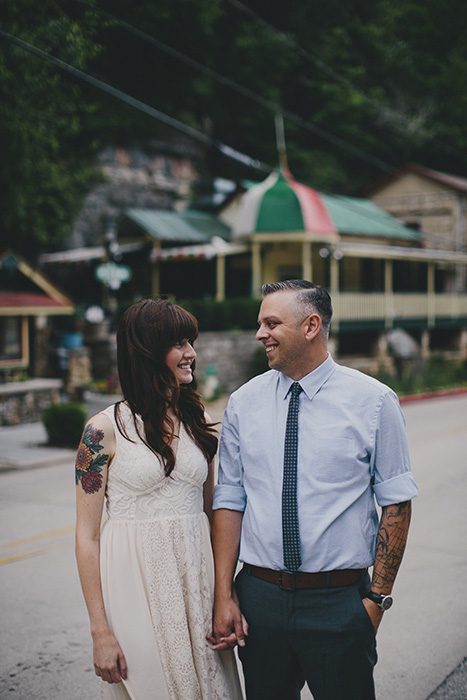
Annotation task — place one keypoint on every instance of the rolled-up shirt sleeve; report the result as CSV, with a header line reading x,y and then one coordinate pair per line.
x,y
392,478
229,492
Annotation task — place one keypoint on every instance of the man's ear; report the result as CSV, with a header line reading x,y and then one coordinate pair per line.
x,y
312,326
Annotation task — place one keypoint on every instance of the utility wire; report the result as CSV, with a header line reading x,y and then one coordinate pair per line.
x,y
246,92
157,114
396,119
142,106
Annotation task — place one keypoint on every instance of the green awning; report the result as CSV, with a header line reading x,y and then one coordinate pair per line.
x,y
364,218
166,226
207,223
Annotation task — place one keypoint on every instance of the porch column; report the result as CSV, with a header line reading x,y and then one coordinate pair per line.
x,y
334,290
307,264
334,275
256,270
220,278
425,345
390,311
431,300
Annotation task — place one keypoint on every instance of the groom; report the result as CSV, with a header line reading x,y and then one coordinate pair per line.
x,y
307,452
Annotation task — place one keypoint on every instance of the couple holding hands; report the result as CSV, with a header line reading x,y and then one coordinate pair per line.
x,y
307,452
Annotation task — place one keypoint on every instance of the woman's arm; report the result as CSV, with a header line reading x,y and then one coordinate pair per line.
x,y
95,452
208,491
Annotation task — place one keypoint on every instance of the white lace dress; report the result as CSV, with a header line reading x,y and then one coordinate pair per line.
x,y
157,575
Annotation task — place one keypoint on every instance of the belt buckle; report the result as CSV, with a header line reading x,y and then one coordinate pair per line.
x,y
284,587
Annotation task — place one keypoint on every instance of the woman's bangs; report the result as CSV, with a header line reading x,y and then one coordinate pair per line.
x,y
184,325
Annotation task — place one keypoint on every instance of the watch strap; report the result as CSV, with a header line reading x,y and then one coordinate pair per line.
x,y
382,601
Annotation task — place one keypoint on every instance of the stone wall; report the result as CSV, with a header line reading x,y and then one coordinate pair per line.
x,y
231,354
24,402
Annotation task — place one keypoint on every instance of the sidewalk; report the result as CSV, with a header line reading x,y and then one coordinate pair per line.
x,y
25,446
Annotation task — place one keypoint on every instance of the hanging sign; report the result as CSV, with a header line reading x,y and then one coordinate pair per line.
x,y
112,275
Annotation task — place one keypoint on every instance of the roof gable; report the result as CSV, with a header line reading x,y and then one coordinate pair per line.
x,y
447,181
24,288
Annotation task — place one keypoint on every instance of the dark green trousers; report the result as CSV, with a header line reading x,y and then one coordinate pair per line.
x,y
323,637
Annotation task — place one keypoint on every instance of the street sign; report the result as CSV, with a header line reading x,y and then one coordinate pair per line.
x,y
113,275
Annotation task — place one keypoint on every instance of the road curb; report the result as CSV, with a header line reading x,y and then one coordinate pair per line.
x,y
440,393
6,466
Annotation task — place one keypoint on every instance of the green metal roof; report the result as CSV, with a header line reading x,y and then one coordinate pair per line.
x,y
166,226
206,223
280,209
363,217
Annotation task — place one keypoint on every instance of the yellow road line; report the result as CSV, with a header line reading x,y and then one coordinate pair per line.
x,y
43,536
15,557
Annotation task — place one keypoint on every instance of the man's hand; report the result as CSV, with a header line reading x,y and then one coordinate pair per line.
x,y
229,626
374,612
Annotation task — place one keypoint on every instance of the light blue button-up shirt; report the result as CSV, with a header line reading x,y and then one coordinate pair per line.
x,y
352,454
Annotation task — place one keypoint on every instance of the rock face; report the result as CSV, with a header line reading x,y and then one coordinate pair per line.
x,y
158,175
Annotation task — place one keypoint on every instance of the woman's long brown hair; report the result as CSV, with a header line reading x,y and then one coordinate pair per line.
x,y
146,333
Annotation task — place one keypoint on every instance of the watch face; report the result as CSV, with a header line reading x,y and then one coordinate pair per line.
x,y
386,603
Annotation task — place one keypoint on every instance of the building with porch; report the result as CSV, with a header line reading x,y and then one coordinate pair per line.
x,y
380,271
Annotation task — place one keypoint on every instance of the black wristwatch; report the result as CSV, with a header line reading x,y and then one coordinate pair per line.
x,y
383,602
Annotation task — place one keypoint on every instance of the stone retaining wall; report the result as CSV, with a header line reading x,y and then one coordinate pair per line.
x,y
231,354
24,402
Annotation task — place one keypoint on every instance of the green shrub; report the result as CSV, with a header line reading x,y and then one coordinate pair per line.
x,y
64,423
229,314
438,373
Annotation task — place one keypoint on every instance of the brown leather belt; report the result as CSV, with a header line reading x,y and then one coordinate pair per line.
x,y
289,581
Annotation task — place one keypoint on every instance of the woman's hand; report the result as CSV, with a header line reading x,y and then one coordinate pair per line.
x,y
109,660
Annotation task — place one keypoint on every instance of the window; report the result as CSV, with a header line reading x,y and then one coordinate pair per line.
x,y
10,338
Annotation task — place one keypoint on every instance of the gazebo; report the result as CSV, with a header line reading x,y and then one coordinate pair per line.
x,y
295,231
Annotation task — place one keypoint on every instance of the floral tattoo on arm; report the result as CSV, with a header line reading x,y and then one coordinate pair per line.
x,y
89,462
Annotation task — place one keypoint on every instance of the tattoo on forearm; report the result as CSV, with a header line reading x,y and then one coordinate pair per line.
x,y
88,462
390,544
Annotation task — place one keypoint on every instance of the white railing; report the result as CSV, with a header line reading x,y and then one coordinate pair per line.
x,y
359,306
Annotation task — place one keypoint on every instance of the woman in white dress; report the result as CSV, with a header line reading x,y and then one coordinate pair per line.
x,y
147,574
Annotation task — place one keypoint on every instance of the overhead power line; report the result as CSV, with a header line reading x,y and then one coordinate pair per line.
x,y
142,106
387,114
271,106
228,151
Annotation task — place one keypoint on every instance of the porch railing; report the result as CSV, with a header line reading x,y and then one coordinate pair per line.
x,y
374,306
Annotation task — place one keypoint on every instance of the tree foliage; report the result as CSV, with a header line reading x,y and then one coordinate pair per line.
x,y
365,85
45,164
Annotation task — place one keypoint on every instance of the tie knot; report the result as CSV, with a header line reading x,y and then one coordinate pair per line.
x,y
296,389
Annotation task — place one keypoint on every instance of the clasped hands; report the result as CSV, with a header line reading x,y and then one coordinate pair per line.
x,y
229,626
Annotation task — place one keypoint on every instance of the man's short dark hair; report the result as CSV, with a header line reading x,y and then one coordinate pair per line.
x,y
308,294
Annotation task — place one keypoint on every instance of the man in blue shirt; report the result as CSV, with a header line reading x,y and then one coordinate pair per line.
x,y
314,620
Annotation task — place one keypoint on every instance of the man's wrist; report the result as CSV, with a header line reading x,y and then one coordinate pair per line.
x,y
383,601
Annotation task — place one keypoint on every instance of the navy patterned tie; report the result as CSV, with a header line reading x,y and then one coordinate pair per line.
x,y
290,533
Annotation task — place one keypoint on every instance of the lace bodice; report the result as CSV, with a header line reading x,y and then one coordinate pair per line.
x,y
137,487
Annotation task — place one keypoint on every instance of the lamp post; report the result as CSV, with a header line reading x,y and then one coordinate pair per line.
x,y
111,274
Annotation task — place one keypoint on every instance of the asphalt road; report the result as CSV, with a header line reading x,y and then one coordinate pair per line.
x,y
46,651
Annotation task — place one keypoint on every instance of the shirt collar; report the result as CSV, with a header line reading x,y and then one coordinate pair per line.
x,y
310,383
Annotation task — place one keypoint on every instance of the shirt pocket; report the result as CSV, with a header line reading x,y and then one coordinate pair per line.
x,y
334,459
